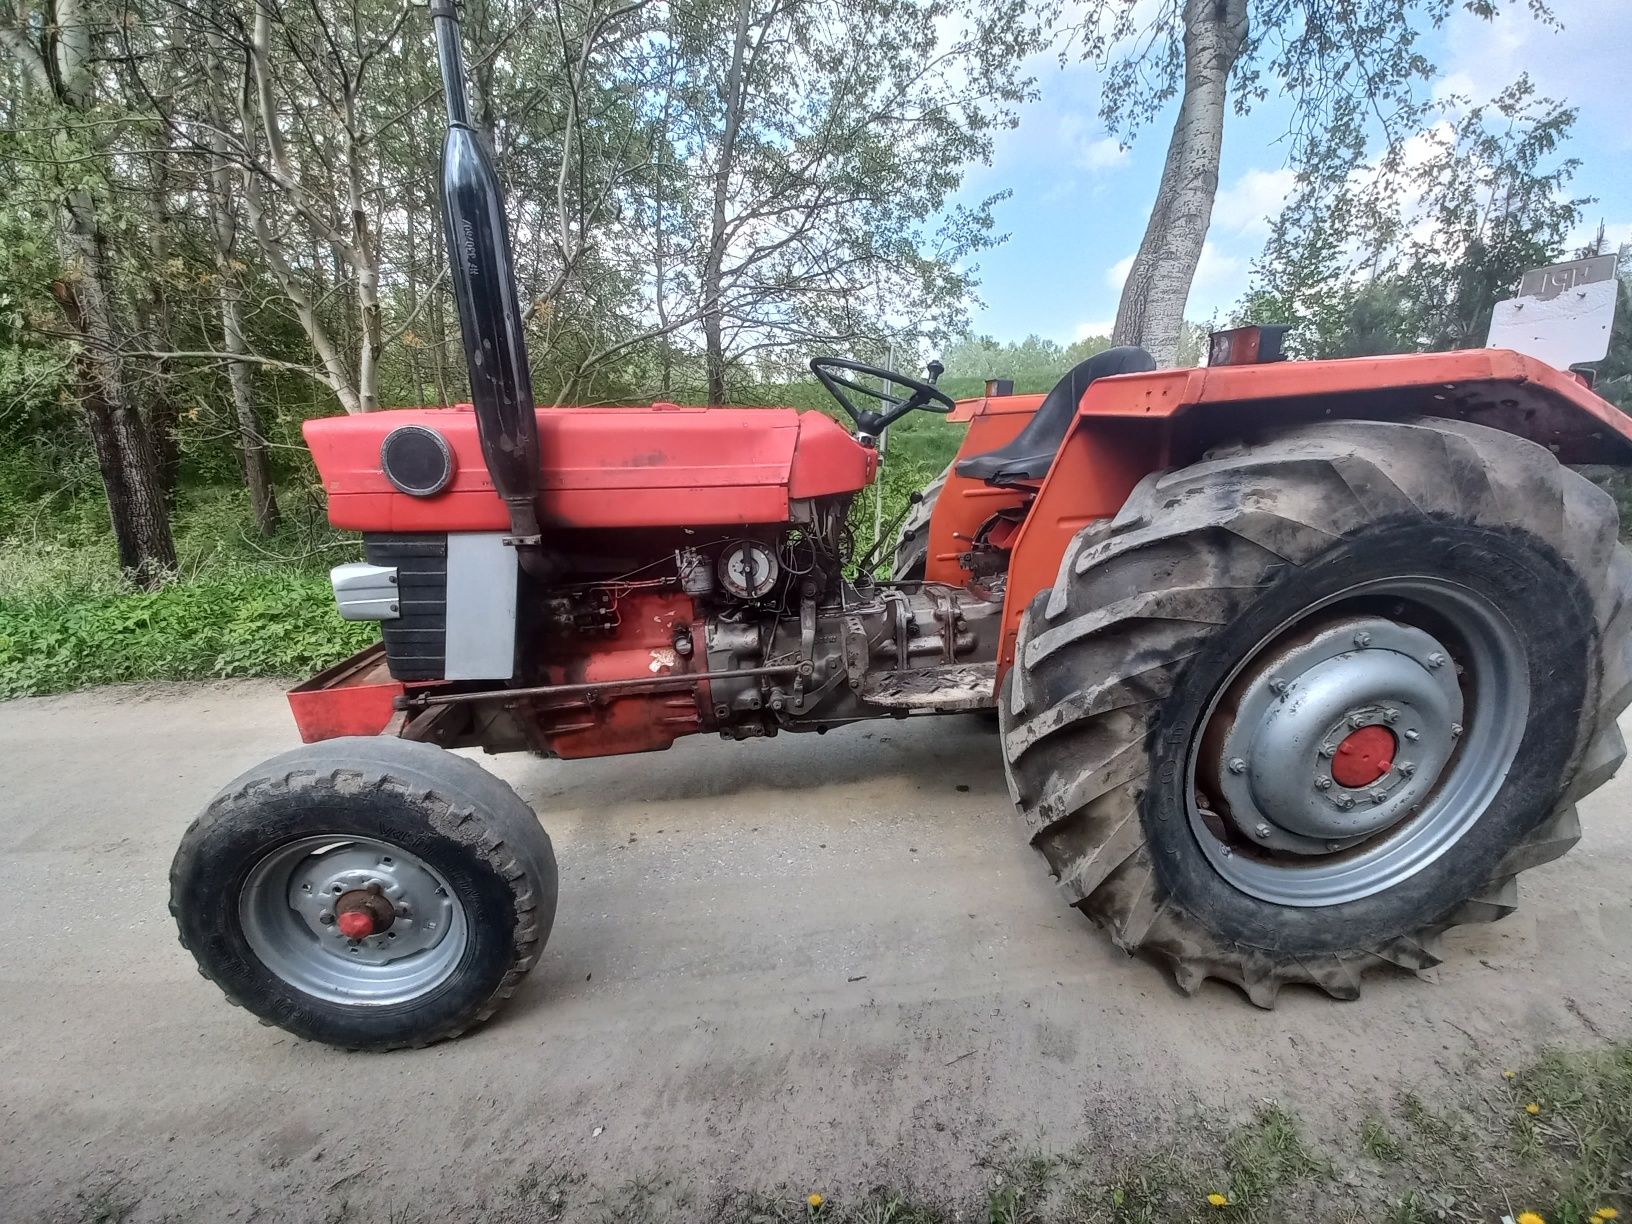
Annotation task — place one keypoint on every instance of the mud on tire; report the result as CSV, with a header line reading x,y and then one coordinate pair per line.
x,y
1155,613
450,833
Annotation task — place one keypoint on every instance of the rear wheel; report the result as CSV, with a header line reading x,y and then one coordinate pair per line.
x,y
1305,705
368,893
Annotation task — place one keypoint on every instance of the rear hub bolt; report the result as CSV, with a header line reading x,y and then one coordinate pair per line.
x,y
1436,660
1237,765
1362,639
1262,830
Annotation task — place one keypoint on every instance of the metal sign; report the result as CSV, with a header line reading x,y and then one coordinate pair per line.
x,y
1548,283
1563,313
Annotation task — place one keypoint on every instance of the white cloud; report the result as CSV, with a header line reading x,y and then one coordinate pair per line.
x,y
1117,273
1220,281
1583,61
1615,233
1101,154
1094,327
1246,206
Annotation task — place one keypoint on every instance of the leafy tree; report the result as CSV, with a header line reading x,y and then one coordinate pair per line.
x,y
1414,252
1352,72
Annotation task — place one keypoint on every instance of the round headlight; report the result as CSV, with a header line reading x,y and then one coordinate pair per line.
x,y
416,460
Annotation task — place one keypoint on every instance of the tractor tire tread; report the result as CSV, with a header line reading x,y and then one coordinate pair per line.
x,y
507,836
1137,596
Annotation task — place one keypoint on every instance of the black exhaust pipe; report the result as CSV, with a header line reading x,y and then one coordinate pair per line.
x,y
484,286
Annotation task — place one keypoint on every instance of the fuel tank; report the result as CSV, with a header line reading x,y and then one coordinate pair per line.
x,y
658,466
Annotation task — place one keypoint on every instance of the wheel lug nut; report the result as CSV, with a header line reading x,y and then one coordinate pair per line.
x,y
1413,734
1322,783
1262,830
1436,659
1334,845
1357,721
1456,730
1237,765
1345,802
1407,769
1328,749
1362,639
1391,716
1378,797
1278,685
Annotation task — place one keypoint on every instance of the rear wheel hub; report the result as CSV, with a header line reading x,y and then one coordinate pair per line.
x,y
1335,761
1364,756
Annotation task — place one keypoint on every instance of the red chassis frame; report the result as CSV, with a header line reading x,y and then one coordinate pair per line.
x,y
1127,427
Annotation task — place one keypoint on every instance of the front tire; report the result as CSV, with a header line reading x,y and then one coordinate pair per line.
x,y
1177,723
368,893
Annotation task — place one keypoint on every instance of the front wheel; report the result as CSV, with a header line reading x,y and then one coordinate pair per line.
x,y
1303,706
367,893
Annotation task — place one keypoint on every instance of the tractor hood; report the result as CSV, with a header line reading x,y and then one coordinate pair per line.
x,y
662,466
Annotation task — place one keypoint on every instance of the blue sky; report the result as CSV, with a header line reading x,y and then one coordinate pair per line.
x,y
1080,203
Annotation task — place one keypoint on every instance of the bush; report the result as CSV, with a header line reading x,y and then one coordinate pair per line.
x,y
235,623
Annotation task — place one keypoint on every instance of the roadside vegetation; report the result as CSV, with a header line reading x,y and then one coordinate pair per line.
x,y
1550,1143
239,603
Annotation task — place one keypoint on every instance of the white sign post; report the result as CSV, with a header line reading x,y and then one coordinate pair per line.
x,y
1562,314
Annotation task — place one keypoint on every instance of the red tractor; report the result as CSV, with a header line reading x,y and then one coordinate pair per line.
x,y
1296,665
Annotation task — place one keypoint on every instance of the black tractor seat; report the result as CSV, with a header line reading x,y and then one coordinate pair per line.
x,y
1031,452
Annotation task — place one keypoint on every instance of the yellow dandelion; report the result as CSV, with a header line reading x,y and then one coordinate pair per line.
x,y
1530,1217
1510,1075
815,1201
1532,1109
1218,1200
1606,1213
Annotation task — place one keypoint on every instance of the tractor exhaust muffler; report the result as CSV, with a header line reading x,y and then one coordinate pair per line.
x,y
484,287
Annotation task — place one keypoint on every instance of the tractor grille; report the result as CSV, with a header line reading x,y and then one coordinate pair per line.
x,y
416,640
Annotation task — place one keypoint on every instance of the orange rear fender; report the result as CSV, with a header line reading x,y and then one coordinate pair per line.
x,y
1133,424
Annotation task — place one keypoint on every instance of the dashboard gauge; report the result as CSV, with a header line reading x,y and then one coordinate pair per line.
x,y
748,569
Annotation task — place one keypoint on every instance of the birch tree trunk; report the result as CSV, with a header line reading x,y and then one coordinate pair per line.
x,y
713,270
59,66
1151,311
131,479
263,499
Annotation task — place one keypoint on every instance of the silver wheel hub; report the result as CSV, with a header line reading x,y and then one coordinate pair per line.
x,y
1346,753
294,909
1296,722
420,908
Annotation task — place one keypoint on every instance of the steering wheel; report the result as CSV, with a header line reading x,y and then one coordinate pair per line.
x,y
871,423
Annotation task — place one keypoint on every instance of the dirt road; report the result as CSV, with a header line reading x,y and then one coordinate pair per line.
x,y
826,962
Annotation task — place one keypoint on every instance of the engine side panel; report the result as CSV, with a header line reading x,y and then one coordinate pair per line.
x,y
661,466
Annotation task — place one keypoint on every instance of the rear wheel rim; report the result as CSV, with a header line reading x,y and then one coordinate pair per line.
x,y
288,910
1433,664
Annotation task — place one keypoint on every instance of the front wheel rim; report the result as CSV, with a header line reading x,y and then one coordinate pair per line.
x,y
1280,800
291,905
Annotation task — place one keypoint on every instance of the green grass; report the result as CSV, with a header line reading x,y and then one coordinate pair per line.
x,y
1565,1162
234,607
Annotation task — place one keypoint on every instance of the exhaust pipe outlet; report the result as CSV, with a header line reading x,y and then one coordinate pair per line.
x,y
484,289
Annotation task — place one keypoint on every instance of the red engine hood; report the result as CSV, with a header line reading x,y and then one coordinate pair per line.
x,y
601,467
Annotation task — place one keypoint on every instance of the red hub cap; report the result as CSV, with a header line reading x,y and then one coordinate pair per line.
x,y
1364,756
359,924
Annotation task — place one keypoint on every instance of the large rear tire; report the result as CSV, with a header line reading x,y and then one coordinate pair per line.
x,y
369,893
1308,703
